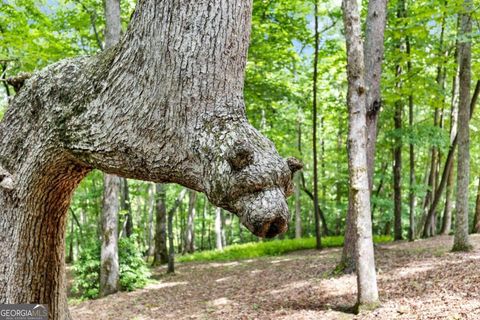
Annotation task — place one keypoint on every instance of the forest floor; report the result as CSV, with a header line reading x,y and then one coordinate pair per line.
x,y
419,280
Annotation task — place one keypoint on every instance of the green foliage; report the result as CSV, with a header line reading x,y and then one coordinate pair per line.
x,y
134,273
268,248
133,269
87,272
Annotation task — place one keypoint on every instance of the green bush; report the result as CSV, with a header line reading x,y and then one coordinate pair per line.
x,y
87,272
268,248
133,269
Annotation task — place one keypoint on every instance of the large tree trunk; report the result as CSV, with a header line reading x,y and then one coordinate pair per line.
x,y
109,267
357,158
190,229
373,59
164,105
461,239
161,254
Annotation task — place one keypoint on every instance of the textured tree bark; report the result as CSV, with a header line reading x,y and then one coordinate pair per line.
x,y
109,267
190,230
373,58
461,239
164,105
357,159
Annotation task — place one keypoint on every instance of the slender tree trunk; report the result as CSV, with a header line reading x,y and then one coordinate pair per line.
x,y
204,217
316,210
109,265
412,200
461,239
171,247
190,232
70,245
476,217
109,268
218,229
161,254
298,207
373,59
357,159
150,226
447,215
127,208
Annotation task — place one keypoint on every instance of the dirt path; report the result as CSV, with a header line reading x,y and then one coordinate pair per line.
x,y
420,280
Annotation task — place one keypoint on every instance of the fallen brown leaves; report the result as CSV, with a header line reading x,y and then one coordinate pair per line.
x,y
420,280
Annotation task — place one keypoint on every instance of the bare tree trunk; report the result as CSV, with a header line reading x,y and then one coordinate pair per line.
x,y
127,230
373,59
316,208
298,208
150,227
142,111
357,159
109,266
161,253
476,217
412,200
190,230
447,215
298,183
218,229
461,239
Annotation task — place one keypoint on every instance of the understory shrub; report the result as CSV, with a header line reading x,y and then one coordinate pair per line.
x,y
134,272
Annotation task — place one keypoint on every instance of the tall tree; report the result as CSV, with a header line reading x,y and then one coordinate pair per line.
x,y
218,229
120,113
397,149
359,193
373,55
109,267
161,253
150,227
461,239
316,207
190,229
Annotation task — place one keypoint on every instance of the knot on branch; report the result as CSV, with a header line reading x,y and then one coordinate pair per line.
x,y
374,108
6,180
18,81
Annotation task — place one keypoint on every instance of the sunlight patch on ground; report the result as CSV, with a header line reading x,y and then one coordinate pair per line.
x,y
162,285
280,260
256,271
226,264
224,279
220,302
334,287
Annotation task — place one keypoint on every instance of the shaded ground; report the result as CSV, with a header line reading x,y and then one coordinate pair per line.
x,y
420,280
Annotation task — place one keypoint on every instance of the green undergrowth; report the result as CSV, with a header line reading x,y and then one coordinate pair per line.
x,y
267,248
